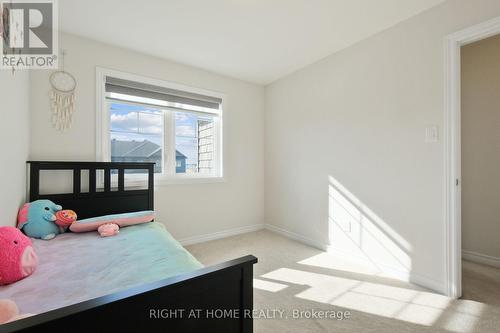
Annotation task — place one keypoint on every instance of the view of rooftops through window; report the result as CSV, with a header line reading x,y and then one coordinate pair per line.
x,y
138,134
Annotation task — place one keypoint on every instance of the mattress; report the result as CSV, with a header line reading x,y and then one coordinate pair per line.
x,y
75,267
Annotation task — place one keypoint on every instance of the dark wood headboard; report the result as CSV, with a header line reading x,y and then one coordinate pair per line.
x,y
96,202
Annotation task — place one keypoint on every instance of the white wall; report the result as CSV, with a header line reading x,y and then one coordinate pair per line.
x,y
187,210
359,117
14,142
481,147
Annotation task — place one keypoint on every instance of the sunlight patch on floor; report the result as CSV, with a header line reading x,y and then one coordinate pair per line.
x,y
338,262
268,286
414,306
463,316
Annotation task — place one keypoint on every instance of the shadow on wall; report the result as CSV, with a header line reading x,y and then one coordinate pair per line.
x,y
355,230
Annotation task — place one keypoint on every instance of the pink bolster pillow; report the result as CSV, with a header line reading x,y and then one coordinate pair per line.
x,y
122,220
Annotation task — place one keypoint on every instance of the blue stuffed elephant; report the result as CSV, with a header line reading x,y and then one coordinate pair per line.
x,y
37,219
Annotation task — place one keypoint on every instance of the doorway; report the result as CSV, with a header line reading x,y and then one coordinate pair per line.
x,y
453,148
480,162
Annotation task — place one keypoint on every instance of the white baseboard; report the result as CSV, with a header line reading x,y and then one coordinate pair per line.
x,y
397,273
220,234
390,272
481,258
297,237
387,271
429,283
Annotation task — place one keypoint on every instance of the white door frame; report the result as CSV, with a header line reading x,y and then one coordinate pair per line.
x,y
452,148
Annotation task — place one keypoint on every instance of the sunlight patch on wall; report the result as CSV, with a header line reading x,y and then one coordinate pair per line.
x,y
355,229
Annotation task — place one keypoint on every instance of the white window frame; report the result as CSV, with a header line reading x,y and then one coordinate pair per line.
x,y
168,175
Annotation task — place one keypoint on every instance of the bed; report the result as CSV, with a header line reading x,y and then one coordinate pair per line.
x,y
141,279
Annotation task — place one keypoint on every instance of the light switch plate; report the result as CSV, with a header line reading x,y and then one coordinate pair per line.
x,y
431,134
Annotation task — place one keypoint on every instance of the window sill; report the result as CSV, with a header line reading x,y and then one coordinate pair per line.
x,y
140,182
188,180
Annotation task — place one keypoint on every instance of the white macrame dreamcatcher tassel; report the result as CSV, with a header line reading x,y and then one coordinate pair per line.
x,y
63,107
62,98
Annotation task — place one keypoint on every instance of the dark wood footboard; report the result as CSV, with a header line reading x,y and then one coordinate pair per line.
x,y
218,299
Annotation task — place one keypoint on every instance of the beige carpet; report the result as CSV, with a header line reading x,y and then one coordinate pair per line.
x,y
291,276
481,283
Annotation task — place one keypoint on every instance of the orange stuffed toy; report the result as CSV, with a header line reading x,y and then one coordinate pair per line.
x,y
9,312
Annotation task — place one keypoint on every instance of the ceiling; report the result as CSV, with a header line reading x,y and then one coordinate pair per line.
x,y
253,40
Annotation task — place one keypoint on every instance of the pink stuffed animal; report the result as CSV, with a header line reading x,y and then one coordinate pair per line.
x,y
17,256
108,229
9,311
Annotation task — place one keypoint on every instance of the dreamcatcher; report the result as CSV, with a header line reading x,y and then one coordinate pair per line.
x,y
63,97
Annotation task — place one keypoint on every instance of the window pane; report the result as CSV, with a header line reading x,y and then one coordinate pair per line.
x,y
136,135
194,143
151,123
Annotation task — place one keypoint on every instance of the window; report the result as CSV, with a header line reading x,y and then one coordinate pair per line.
x,y
136,134
180,131
194,143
